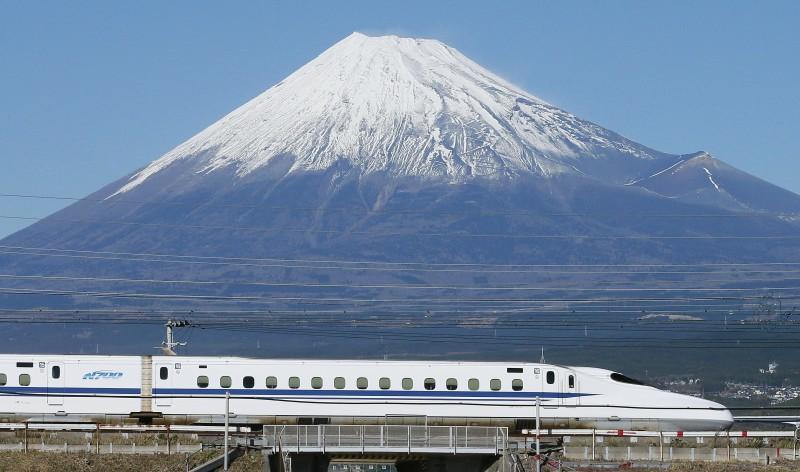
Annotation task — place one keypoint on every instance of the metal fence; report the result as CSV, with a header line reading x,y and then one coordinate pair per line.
x,y
104,448
652,453
387,438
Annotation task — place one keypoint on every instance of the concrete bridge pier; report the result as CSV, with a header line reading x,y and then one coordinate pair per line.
x,y
310,462
432,463
449,463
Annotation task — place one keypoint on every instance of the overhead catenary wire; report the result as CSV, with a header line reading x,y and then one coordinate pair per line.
x,y
394,286
581,314
414,266
455,233
128,201
263,299
406,320
566,341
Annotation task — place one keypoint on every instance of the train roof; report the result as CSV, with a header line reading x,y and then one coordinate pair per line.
x,y
196,358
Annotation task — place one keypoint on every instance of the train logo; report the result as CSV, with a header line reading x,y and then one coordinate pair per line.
x,y
102,374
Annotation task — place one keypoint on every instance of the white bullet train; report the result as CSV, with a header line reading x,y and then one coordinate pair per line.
x,y
186,390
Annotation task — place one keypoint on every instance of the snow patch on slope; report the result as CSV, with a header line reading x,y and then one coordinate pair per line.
x,y
711,178
673,166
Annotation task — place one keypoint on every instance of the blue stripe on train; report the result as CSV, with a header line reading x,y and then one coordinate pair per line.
x,y
366,393
72,390
529,396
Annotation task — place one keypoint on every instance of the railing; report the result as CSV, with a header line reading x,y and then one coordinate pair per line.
x,y
387,438
660,447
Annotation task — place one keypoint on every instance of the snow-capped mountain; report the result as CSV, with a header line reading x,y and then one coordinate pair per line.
x,y
385,133
405,137
402,150
407,107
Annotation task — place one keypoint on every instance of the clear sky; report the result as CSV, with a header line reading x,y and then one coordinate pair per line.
x,y
91,91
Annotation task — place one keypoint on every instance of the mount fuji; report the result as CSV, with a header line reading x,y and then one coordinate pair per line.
x,y
402,137
390,149
404,107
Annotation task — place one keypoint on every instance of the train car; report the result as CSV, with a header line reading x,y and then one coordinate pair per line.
x,y
192,390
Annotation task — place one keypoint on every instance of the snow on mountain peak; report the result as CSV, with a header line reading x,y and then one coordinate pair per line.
x,y
402,106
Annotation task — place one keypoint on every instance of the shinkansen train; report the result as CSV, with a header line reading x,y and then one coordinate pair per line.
x,y
192,390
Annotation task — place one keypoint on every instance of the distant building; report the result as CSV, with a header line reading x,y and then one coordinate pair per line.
x,y
771,368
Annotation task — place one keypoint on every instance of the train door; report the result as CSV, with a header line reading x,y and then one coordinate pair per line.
x,y
163,381
550,389
569,389
55,383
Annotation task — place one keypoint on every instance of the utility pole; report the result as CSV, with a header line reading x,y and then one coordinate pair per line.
x,y
227,424
169,344
538,433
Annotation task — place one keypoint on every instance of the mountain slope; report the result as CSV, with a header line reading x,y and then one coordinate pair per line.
x,y
702,179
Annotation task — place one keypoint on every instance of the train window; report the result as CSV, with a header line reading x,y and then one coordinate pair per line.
x,y
294,382
551,377
362,383
625,379
474,384
516,385
408,383
3,379
571,381
55,372
495,385
316,382
225,381
429,384
163,373
272,382
451,384
339,383
248,382
202,381
384,383
24,380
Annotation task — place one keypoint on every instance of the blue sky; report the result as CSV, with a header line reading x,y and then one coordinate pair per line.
x,y
91,91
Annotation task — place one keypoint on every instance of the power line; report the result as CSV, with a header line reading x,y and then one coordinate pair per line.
x,y
485,339
244,298
389,265
459,234
492,310
454,318
398,286
408,269
750,214
526,341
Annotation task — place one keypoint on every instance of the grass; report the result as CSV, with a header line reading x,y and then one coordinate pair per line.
x,y
79,462
76,462
85,462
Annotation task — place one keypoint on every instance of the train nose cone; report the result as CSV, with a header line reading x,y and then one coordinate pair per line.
x,y
696,414
705,415
722,415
